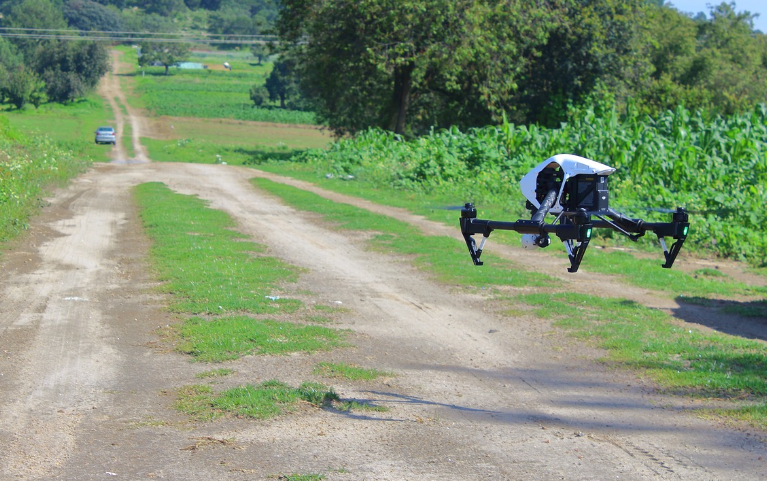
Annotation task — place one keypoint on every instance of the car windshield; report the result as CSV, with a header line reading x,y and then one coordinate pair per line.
x,y
106,129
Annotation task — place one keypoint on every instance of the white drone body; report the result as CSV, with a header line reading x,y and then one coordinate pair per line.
x,y
571,166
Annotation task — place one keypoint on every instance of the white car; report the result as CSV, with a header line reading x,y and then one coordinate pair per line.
x,y
106,135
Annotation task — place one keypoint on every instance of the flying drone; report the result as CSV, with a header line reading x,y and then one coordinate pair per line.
x,y
574,189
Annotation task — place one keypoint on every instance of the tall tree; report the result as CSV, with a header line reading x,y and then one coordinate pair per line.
x,y
590,43
393,63
71,69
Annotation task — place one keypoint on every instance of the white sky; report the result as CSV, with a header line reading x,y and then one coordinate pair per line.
x,y
753,6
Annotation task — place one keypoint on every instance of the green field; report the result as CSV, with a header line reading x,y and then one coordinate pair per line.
x,y
71,126
210,93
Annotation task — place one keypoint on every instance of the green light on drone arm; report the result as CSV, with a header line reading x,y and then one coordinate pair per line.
x,y
686,229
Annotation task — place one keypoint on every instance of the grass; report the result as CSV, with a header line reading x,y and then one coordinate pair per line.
x,y
211,93
444,257
347,371
240,135
264,401
228,338
70,126
649,274
213,373
301,477
192,150
683,361
29,166
207,266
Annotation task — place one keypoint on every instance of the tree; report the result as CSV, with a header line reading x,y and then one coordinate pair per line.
x,y
164,53
259,50
33,14
282,84
406,65
88,15
165,8
717,64
21,84
589,44
71,69
259,95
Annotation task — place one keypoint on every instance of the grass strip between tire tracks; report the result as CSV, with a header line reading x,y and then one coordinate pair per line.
x,y
209,269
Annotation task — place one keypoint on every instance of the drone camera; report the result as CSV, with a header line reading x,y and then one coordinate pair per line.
x,y
587,192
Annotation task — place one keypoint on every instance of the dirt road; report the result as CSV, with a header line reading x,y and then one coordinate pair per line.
x,y
86,388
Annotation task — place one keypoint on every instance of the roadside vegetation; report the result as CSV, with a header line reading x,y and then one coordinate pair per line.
x,y
683,361
29,166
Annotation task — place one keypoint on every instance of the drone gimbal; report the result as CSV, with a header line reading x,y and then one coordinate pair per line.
x,y
574,189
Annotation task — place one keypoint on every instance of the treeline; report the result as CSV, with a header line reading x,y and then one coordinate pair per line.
x,y
36,70
410,65
235,17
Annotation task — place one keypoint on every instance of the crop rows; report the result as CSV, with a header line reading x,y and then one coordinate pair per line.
x,y
200,95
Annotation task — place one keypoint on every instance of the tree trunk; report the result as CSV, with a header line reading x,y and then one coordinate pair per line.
x,y
403,78
282,100
166,70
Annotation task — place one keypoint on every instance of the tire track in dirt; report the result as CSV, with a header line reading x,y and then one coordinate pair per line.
x,y
55,315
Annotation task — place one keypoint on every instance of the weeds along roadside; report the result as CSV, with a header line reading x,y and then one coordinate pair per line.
x,y
682,361
29,166
226,286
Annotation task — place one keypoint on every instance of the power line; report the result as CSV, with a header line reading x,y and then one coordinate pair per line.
x,y
35,33
110,32
198,40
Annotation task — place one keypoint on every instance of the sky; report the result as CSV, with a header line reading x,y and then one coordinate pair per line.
x,y
753,6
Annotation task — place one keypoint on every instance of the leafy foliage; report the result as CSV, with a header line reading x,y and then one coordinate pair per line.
x,y
71,69
282,85
89,15
718,64
22,85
